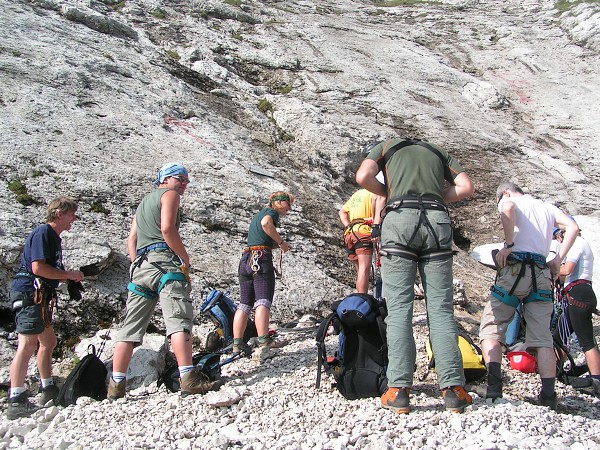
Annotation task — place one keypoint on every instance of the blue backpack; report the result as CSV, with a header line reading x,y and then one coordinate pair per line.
x,y
360,362
221,310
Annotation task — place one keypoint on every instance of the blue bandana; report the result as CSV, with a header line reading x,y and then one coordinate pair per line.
x,y
169,170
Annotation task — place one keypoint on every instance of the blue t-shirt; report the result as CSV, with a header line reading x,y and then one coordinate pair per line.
x,y
42,243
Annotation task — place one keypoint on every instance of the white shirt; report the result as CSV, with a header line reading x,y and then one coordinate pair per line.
x,y
534,224
581,254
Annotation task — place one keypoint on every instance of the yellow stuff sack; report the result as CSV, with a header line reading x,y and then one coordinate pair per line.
x,y
471,355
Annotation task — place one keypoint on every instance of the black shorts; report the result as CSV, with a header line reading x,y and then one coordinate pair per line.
x,y
28,319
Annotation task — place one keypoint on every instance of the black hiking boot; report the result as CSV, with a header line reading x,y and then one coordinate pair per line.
x,y
396,399
551,402
20,406
456,399
486,391
49,393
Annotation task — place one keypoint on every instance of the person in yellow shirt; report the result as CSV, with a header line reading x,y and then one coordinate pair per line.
x,y
362,225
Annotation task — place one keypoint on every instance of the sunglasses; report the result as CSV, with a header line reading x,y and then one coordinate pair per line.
x,y
500,197
183,180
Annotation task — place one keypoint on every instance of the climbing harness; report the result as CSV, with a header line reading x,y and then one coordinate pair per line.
x,y
167,276
43,292
361,241
422,203
524,259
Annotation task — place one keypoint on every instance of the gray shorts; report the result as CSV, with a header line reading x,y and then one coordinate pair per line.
x,y
28,319
497,315
174,298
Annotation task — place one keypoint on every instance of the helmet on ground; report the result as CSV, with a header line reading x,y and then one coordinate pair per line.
x,y
522,361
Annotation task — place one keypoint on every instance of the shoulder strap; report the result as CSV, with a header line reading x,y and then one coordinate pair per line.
x,y
400,145
321,350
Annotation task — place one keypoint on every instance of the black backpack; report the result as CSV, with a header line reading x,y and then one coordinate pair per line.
x,y
221,310
360,363
87,379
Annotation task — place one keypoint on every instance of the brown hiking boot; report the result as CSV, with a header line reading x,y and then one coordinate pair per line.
x,y
197,382
272,343
456,399
116,390
396,399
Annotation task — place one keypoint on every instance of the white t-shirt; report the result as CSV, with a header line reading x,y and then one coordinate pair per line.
x,y
534,224
581,254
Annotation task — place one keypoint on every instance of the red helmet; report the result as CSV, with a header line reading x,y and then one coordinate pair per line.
x,y
522,361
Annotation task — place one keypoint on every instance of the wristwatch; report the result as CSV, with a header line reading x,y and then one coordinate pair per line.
x,y
508,245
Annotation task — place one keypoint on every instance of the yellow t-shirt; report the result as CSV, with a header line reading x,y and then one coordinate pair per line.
x,y
360,206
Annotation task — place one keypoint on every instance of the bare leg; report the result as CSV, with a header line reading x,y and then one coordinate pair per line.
x,y
492,350
546,361
48,343
182,347
122,356
362,273
592,357
25,350
261,319
240,320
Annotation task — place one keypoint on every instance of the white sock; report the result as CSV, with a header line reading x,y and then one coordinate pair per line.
x,y
47,382
184,369
118,376
14,391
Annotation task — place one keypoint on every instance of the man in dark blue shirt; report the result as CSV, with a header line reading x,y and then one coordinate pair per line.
x,y
32,293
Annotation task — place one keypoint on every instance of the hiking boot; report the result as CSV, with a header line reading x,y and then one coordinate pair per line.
x,y
486,391
241,348
49,393
197,382
456,399
19,406
396,399
551,402
272,343
116,390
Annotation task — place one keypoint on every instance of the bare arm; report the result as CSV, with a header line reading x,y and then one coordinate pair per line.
x,y
461,189
508,218
132,241
344,217
366,177
41,269
378,205
269,228
168,218
563,222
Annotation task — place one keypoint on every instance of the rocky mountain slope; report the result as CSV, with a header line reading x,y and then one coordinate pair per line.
x,y
257,96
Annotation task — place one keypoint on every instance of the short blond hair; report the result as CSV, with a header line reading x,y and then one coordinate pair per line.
x,y
60,204
281,196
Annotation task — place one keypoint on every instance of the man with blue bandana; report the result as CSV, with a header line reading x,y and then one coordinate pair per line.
x,y
158,272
